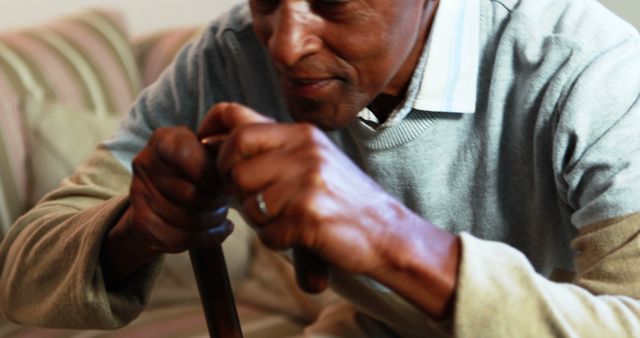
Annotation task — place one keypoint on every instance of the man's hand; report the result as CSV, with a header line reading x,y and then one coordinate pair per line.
x,y
316,197
176,200
299,189
176,204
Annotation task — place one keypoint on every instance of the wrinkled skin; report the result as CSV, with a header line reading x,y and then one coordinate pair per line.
x,y
335,57
319,199
177,203
173,193
316,196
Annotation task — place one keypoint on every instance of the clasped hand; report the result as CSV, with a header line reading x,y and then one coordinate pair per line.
x,y
316,197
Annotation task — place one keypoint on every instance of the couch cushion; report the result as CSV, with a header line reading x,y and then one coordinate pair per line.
x,y
60,139
156,51
84,61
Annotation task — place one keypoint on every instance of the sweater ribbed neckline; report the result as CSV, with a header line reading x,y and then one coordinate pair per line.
x,y
411,127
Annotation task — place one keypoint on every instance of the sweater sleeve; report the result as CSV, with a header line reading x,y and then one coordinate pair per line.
x,y
500,292
50,272
596,161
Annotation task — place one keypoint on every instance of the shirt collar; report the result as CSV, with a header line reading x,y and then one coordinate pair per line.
x,y
446,77
450,79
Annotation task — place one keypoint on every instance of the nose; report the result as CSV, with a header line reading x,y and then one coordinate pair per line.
x,y
293,33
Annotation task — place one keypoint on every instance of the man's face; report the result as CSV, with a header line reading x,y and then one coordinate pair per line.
x,y
335,56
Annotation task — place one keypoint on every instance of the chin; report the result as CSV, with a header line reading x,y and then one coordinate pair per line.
x,y
326,116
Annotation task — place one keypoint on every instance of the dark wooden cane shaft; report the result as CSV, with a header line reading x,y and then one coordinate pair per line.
x,y
216,294
312,273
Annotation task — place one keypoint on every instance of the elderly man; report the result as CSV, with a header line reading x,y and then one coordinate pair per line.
x,y
466,168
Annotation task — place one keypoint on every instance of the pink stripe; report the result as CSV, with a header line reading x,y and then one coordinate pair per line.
x,y
162,53
108,68
56,73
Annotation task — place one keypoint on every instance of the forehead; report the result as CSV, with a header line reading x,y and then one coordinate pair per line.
x,y
382,11
348,4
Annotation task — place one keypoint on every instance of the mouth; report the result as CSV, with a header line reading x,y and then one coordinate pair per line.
x,y
310,87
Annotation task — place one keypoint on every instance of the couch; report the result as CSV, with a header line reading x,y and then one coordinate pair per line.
x,y
63,87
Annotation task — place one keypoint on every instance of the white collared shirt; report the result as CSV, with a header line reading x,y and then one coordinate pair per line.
x,y
446,77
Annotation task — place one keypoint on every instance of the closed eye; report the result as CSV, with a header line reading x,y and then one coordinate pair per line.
x,y
264,6
331,7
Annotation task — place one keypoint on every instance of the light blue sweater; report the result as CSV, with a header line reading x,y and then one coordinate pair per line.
x,y
552,146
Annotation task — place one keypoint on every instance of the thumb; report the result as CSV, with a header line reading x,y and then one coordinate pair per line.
x,y
224,117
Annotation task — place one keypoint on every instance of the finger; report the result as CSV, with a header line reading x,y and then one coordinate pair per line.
x,y
251,140
267,168
154,232
257,214
213,236
177,215
277,198
161,237
187,194
301,220
279,234
179,148
175,186
224,117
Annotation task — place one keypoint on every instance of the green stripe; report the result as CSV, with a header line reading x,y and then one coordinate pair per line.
x,y
10,191
88,76
97,70
121,58
11,75
15,76
37,75
69,67
121,42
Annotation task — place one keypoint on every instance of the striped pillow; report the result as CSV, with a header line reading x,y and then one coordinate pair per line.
x,y
85,62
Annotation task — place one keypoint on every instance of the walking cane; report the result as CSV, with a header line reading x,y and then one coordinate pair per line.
x,y
212,278
216,295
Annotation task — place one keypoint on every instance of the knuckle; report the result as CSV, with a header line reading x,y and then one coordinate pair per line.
x,y
140,162
234,106
234,140
187,193
309,132
159,134
315,160
240,133
315,180
308,209
242,136
170,142
239,176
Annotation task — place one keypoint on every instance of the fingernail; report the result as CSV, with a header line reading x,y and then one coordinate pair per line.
x,y
214,140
